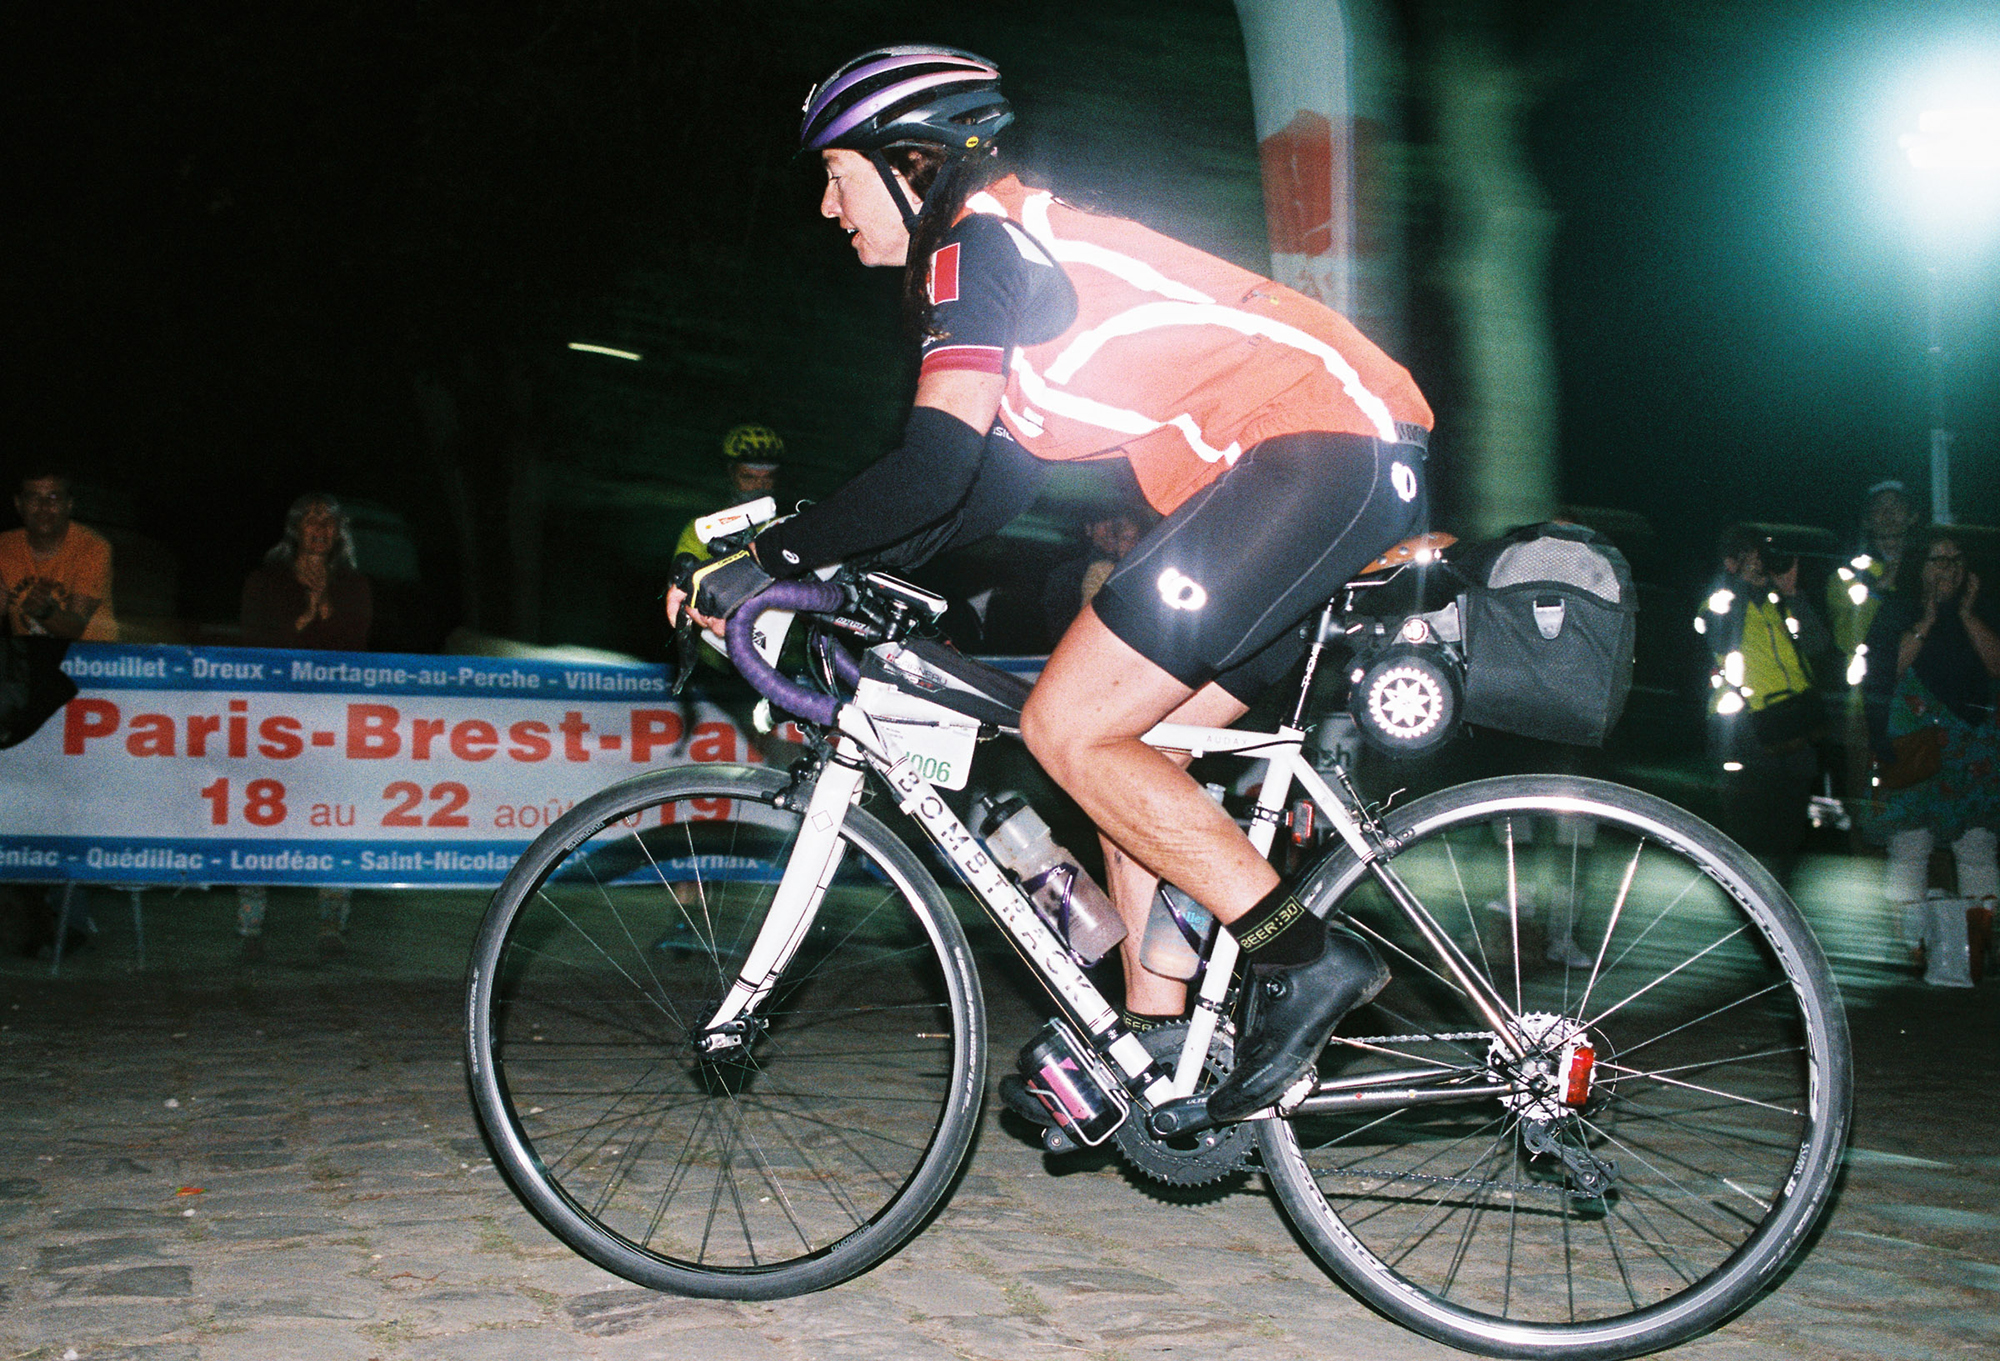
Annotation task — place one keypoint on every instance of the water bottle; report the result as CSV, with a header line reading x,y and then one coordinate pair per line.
x,y
1178,931
1073,1084
1067,897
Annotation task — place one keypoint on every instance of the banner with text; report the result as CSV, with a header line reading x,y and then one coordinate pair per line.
x,y
247,765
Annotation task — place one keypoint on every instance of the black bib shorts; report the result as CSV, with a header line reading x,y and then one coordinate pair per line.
x,y
1214,591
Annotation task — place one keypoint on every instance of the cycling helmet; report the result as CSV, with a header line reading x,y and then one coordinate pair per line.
x,y
907,94
754,446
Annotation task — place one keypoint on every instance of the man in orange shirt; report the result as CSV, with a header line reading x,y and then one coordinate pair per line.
x,y
56,574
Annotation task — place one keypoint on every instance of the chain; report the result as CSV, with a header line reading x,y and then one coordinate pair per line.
x,y
1414,1039
1432,1179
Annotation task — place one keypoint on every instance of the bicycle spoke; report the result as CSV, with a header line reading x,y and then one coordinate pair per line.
x,y
1708,1015
1692,1101
778,1146
1612,1010
1611,926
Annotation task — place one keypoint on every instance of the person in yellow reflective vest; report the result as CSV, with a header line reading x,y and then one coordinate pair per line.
x,y
1855,590
1765,713
1854,595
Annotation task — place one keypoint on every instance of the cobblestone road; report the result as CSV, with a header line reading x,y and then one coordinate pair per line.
x,y
207,1163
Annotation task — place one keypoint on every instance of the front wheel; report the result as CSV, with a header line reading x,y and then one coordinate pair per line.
x,y
1674,1129
788,1162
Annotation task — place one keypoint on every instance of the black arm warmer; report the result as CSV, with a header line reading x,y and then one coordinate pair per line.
x,y
923,481
1010,478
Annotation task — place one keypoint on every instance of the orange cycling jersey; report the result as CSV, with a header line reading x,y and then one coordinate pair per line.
x,y
1173,359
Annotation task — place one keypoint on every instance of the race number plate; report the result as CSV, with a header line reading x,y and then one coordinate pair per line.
x,y
939,742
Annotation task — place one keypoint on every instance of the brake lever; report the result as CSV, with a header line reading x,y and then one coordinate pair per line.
x,y
687,645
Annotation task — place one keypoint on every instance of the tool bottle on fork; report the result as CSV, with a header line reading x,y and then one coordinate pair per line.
x,y
1068,899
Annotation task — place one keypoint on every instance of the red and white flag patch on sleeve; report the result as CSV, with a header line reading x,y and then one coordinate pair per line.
x,y
944,274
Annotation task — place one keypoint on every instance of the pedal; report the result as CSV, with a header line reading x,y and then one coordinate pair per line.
x,y
1055,1141
1185,1115
1296,1094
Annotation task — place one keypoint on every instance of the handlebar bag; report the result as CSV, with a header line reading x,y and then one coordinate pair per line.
x,y
933,671
1550,615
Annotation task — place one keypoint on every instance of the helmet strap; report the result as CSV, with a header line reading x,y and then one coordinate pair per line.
x,y
896,191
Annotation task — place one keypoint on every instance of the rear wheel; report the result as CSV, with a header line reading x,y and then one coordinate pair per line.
x,y
793,1161
1675,1129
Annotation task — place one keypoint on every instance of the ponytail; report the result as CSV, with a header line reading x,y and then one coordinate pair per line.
x,y
943,182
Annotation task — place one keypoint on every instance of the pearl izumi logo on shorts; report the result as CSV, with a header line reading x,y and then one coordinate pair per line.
x,y
1404,480
1180,591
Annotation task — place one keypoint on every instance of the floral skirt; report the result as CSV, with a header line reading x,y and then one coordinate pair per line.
x,y
1965,793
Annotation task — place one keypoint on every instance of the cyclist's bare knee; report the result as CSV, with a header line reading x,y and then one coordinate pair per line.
x,y
1052,737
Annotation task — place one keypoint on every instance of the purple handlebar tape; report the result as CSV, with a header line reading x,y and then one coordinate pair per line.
x,y
811,596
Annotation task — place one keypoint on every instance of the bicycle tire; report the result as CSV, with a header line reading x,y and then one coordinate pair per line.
x,y
1720,1090
794,1165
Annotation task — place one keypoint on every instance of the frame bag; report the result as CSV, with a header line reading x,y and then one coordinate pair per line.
x,y
1550,616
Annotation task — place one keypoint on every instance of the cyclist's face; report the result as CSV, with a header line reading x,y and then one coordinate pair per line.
x,y
856,197
752,480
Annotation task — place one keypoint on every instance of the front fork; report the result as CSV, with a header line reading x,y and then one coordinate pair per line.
x,y
808,870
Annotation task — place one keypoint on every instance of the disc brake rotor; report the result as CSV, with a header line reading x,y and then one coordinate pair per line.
x,y
1196,1159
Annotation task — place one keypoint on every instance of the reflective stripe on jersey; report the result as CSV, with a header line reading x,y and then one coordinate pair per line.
x,y
1105,417
1176,359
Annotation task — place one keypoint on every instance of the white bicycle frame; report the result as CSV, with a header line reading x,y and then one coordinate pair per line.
x,y
816,854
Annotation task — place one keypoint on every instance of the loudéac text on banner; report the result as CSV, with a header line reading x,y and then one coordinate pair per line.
x,y
253,765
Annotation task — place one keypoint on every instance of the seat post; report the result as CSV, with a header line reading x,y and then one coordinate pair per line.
x,y
1321,630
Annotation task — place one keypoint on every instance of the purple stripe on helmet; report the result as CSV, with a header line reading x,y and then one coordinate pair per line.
x,y
894,63
875,103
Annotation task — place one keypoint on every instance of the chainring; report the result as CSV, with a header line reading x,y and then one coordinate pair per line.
x,y
1195,1159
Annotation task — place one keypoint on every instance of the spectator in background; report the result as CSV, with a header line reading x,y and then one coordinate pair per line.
x,y
1933,661
1855,591
1764,716
55,581
1109,531
753,455
1854,595
56,573
307,593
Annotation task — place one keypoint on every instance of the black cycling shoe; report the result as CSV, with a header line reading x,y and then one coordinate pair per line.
x,y
1024,1103
1293,1009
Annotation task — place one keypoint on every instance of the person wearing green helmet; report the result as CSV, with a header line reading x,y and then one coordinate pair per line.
x,y
753,455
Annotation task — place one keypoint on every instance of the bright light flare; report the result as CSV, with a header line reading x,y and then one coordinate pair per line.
x,y
1964,141
586,348
1948,149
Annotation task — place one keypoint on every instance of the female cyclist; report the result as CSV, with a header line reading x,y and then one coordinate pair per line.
x,y
1283,449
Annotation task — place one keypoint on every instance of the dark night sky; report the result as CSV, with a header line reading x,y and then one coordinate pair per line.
x,y
1738,306
236,232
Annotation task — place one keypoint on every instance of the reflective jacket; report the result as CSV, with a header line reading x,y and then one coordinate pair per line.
x,y
1179,361
1854,593
1759,642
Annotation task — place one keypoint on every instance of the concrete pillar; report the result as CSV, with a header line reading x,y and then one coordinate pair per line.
x,y
1321,84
